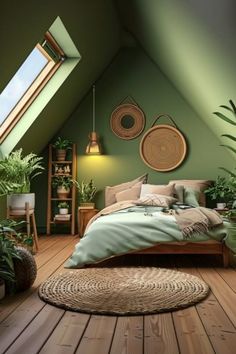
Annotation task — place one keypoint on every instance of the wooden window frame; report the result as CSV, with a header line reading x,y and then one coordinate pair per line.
x,y
36,87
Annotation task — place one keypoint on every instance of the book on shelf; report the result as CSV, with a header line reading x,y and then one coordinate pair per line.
x,y
62,217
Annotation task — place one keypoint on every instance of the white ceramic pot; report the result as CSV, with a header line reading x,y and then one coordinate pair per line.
x,y
2,289
63,211
19,200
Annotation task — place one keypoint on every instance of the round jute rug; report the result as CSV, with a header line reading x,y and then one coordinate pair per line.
x,y
123,291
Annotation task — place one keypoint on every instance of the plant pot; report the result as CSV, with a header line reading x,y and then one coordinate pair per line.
x,y
88,205
63,211
221,206
63,192
60,154
2,289
17,202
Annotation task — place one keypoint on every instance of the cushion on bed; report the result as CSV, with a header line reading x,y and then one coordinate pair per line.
x,y
197,184
191,196
132,193
167,190
157,200
110,191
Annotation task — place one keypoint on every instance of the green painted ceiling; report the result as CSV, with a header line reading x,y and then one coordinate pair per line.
x,y
191,41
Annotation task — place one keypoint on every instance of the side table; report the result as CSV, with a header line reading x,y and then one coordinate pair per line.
x,y
84,215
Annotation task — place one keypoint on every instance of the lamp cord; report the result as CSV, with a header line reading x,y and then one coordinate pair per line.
x,y
93,108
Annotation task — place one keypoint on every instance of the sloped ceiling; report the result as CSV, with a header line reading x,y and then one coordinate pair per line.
x,y
191,41
94,29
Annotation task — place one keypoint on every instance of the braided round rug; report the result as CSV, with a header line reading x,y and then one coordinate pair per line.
x,y
123,291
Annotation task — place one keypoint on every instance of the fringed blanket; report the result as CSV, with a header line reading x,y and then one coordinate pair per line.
x,y
196,220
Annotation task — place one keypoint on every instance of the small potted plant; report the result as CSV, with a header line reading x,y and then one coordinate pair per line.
x,y
63,208
223,191
61,146
16,173
86,193
63,185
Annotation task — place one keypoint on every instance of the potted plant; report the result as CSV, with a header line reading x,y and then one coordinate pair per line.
x,y
63,208
86,193
223,191
8,253
19,170
61,146
63,185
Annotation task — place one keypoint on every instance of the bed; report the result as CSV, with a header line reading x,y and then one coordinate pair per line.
x,y
133,222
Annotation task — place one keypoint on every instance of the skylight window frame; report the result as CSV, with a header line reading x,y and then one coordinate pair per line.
x,y
35,88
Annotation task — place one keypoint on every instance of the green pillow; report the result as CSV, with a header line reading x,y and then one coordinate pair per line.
x,y
191,196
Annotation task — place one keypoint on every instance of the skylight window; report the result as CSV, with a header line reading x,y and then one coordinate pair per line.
x,y
28,81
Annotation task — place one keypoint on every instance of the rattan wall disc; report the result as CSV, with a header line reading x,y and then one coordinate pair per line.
x,y
163,148
127,121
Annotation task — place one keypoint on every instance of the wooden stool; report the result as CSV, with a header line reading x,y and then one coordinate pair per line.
x,y
28,213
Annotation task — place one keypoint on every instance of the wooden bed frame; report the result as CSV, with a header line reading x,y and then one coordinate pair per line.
x,y
205,247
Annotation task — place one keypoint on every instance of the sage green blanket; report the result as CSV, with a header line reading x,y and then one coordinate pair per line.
x,y
131,229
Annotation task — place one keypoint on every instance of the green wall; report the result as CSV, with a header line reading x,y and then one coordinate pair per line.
x,y
133,74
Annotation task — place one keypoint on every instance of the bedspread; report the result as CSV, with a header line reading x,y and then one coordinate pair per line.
x,y
130,229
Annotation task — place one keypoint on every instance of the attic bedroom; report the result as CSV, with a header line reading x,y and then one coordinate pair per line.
x,y
129,242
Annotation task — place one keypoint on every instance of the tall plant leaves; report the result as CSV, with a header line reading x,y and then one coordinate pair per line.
x,y
229,147
226,119
232,105
229,136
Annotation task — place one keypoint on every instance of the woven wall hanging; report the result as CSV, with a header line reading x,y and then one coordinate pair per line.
x,y
163,147
127,121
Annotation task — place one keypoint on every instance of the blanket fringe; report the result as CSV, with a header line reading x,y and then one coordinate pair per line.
x,y
198,228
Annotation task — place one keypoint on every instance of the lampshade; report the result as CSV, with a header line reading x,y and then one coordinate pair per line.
x,y
93,147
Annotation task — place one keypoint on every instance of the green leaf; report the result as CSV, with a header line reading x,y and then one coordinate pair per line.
x,y
229,147
229,136
226,170
233,105
226,119
228,108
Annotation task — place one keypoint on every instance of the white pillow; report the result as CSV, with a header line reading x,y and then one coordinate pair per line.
x,y
157,189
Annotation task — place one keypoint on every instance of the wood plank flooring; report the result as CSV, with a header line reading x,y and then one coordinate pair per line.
x,y
29,326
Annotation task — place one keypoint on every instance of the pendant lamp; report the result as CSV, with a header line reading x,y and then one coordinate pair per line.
x,y
93,147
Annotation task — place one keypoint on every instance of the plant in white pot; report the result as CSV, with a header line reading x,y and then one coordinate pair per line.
x,y
223,191
86,193
63,208
20,170
63,185
61,146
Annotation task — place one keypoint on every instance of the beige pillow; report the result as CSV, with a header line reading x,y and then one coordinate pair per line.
x,y
157,200
157,189
132,193
197,184
110,192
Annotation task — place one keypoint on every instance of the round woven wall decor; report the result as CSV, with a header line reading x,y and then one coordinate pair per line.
x,y
127,121
123,290
163,148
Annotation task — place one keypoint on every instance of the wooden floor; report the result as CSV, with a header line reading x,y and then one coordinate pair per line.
x,y
28,325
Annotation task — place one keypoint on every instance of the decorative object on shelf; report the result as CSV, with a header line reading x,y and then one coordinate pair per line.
x,y
163,147
61,174
20,170
127,121
94,146
61,146
63,208
63,185
86,193
232,109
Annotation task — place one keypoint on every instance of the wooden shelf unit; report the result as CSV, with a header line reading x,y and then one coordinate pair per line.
x,y
51,203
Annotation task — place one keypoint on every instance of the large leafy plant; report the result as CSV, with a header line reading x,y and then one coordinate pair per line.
x,y
62,144
16,171
224,189
232,109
